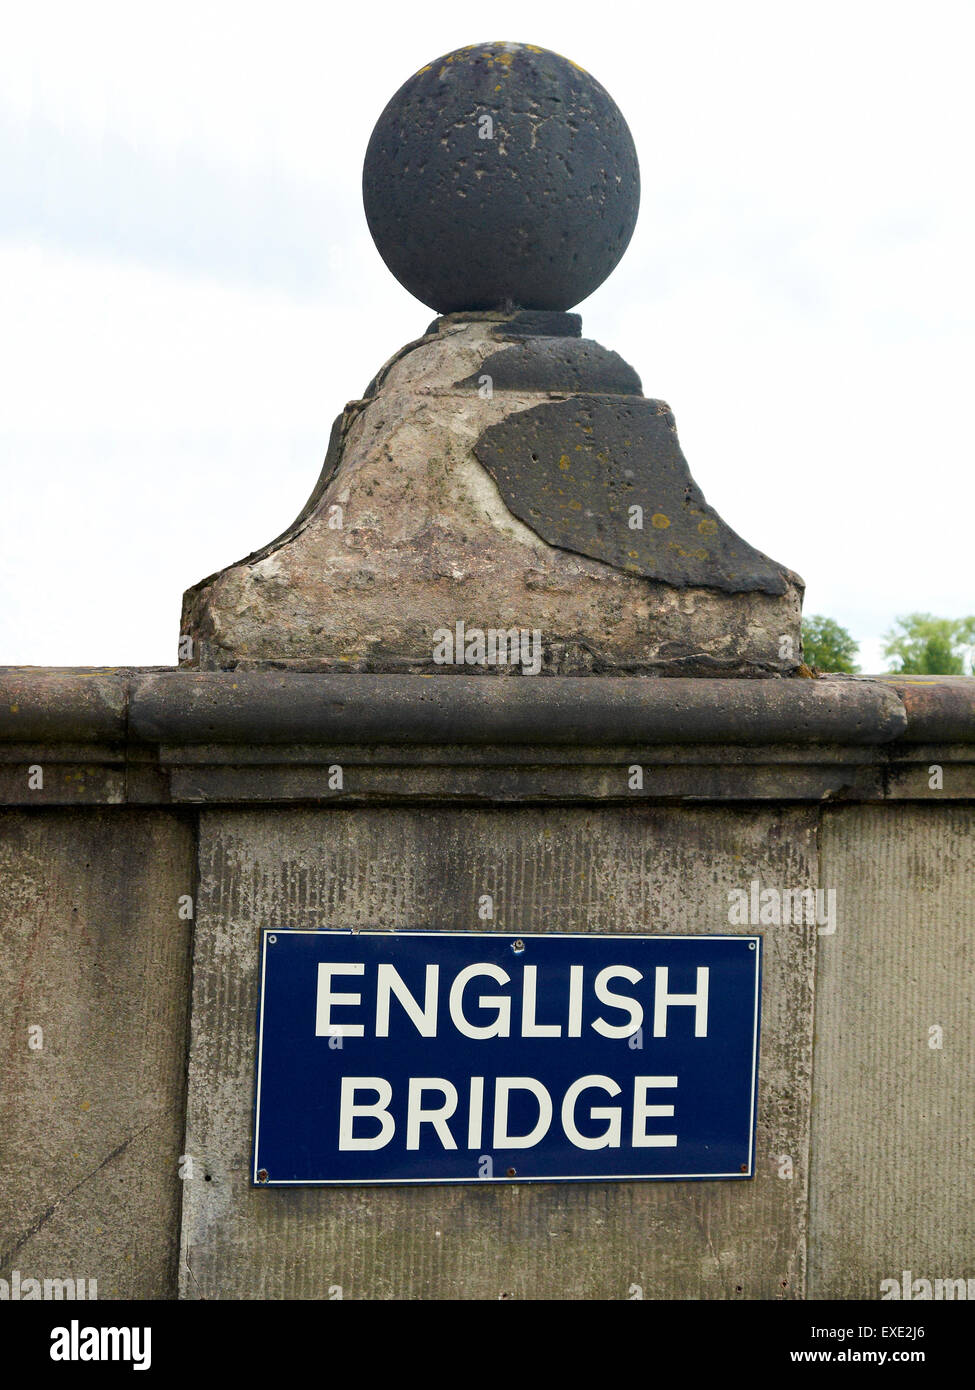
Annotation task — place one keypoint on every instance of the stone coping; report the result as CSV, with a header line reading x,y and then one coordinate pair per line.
x,y
176,706
167,735
173,705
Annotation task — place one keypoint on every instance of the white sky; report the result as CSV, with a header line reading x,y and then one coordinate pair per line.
x,y
189,293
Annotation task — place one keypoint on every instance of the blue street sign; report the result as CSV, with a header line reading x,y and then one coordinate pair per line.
x,y
426,1057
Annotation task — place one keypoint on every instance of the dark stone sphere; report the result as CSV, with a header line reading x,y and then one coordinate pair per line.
x,y
501,175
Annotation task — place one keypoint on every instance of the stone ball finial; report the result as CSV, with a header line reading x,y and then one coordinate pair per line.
x,y
501,175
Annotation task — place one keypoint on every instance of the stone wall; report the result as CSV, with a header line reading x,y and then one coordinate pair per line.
x,y
161,788
91,1116
893,1101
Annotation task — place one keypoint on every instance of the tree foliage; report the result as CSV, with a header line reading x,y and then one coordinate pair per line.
x,y
827,646
924,645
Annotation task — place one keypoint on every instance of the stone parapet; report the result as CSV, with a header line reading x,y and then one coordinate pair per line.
x,y
155,736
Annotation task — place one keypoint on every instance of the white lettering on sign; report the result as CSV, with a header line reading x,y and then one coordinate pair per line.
x,y
444,1100
643,1112
610,1137
501,1027
605,995
502,1091
529,1028
464,1009
388,983
348,1111
324,1027
575,1001
437,1116
434,1106
663,1000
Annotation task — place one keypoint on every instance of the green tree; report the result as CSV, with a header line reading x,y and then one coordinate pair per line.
x,y
827,646
924,645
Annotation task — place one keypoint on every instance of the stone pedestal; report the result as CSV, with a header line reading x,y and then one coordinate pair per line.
x,y
504,473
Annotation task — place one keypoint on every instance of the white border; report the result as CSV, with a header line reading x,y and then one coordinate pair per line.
x,y
508,936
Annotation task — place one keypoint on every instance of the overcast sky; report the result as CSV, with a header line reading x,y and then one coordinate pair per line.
x,y
189,293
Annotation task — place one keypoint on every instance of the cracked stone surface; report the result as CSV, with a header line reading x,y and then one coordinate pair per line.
x,y
407,532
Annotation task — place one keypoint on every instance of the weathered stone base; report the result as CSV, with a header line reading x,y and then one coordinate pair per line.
x,y
407,531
